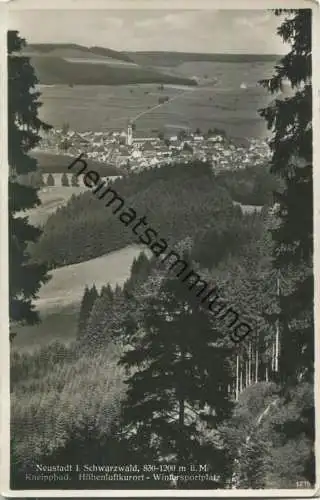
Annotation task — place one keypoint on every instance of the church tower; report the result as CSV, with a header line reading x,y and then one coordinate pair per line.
x,y
129,134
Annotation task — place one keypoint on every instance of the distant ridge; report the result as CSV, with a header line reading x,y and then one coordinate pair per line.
x,y
52,70
166,58
74,64
159,58
60,48
110,53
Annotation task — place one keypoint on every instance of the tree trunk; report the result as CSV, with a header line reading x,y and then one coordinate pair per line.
x,y
250,365
277,327
273,357
276,366
181,414
181,403
237,377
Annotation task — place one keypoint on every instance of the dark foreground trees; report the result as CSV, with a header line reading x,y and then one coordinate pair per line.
x,y
290,119
177,385
23,131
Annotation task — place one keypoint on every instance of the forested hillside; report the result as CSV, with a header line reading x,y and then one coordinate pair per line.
x,y
251,408
176,200
252,185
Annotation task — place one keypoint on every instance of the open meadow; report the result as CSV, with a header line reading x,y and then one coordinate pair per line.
x,y
59,299
51,199
222,104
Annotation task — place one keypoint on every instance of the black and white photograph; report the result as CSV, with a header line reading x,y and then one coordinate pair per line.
x,y
160,250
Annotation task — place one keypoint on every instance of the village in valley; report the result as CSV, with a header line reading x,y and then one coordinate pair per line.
x,y
127,151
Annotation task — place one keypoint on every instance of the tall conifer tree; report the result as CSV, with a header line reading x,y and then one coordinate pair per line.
x,y
74,181
64,180
23,132
99,317
290,120
89,297
178,386
50,180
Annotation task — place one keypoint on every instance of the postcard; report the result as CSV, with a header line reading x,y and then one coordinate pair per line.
x,y
159,220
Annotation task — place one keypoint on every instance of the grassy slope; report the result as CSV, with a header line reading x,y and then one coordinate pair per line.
x,y
56,70
59,299
59,325
65,49
67,283
51,199
58,163
52,68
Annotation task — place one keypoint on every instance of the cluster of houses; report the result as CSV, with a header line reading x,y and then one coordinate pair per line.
x,y
121,149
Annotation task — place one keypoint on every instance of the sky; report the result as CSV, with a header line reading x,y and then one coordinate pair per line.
x,y
209,31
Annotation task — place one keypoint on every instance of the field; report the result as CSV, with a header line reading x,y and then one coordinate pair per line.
x,y
59,70
223,105
99,60
65,50
51,199
59,299
59,163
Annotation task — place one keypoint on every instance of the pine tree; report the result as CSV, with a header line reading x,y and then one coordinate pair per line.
x,y
89,297
111,313
23,131
64,180
99,318
290,119
36,179
65,141
41,181
140,268
177,392
74,181
50,180
106,291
